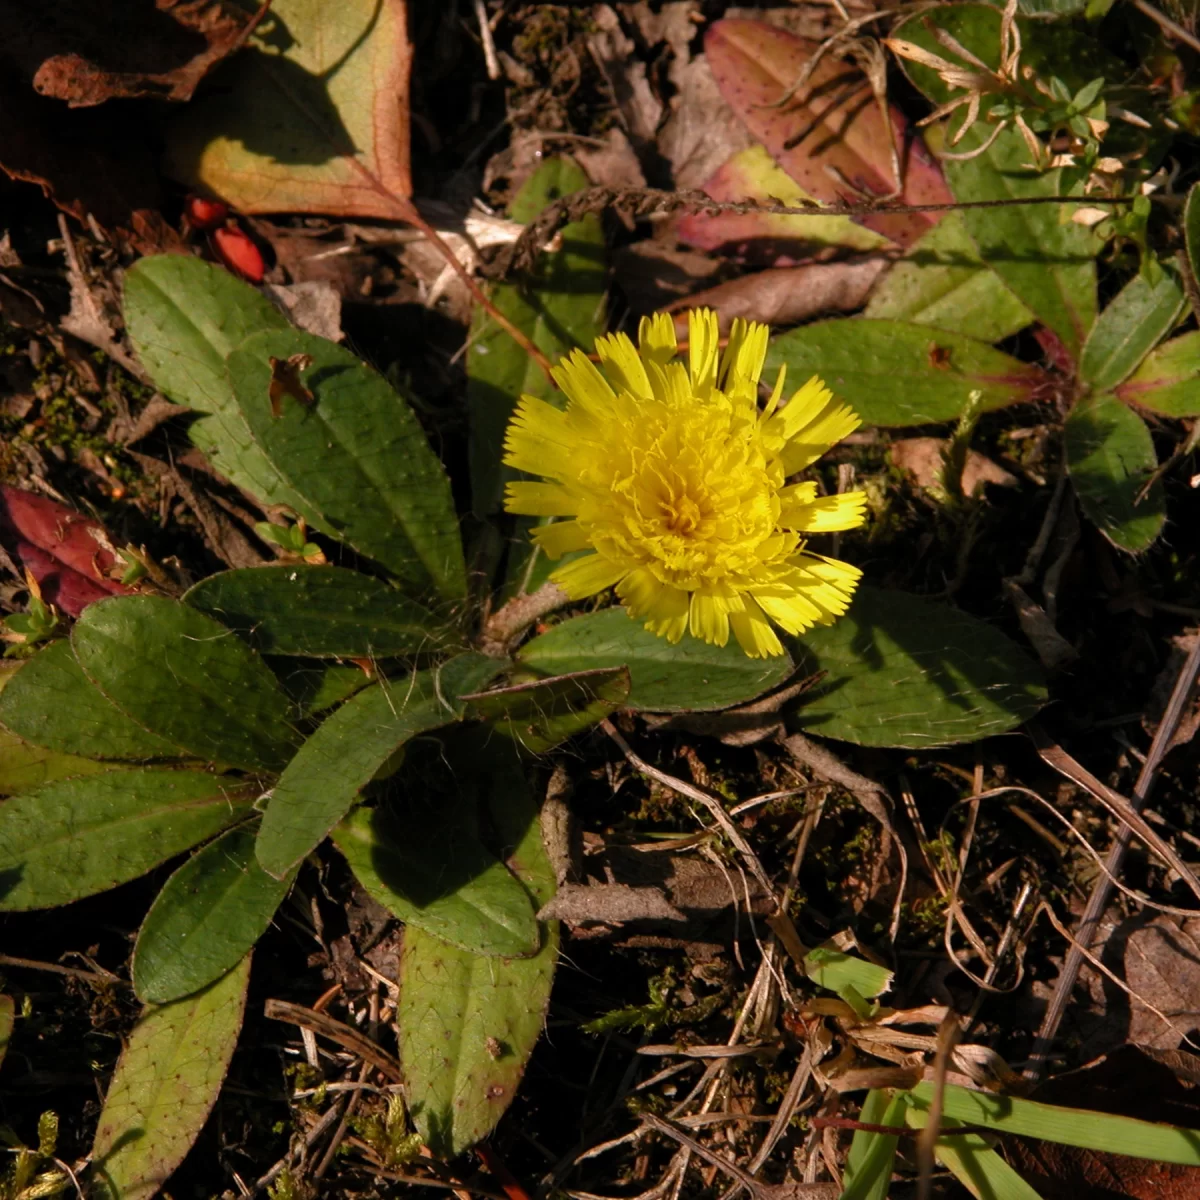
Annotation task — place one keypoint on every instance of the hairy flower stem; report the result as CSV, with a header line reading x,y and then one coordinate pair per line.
x,y
507,623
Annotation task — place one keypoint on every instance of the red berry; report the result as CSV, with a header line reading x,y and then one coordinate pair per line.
x,y
205,214
239,253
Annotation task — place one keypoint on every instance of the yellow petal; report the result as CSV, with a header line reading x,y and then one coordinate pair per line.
x,y
656,338
625,368
560,537
708,615
540,499
754,633
792,611
745,355
812,422
703,346
538,439
824,514
664,607
583,577
581,382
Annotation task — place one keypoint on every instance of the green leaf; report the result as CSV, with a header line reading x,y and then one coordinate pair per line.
x,y
344,754
187,678
429,870
51,703
24,767
315,686
206,919
1042,256
8,1014
467,1024
358,456
559,307
165,1085
317,612
78,837
184,316
896,373
869,1163
1079,1127
692,676
943,282
540,715
1191,228
1110,457
903,671
830,967
1168,381
1136,320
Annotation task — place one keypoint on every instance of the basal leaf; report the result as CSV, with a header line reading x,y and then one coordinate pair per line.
x,y
317,612
1191,228
165,1085
24,766
358,456
323,781
311,117
559,307
76,837
1135,321
540,715
314,686
51,703
183,317
1169,380
894,373
832,130
467,1024
187,678
943,282
869,1162
424,867
904,671
692,676
206,919
8,1014
1110,458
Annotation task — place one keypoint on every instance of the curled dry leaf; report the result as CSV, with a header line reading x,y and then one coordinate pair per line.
x,y
831,138
89,51
70,555
786,295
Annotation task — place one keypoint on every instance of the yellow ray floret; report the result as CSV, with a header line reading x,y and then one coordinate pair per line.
x,y
672,481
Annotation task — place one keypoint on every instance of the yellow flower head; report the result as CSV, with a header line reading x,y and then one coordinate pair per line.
x,y
674,477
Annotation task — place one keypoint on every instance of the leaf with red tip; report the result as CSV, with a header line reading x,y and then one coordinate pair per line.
x,y
239,253
831,138
205,214
66,551
770,238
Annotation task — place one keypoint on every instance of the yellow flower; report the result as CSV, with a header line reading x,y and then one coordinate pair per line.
x,y
675,478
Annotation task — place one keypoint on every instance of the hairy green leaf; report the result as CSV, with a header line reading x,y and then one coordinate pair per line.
x,y
24,766
691,676
206,919
1168,381
317,612
903,671
1136,320
165,1085
1110,458
76,837
187,678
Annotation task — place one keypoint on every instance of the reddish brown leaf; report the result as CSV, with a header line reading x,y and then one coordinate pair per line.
x,y
840,139
66,551
89,51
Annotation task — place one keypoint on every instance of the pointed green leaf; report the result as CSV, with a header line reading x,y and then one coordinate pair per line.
x,y
165,1085
427,869
1138,318
869,1163
206,919
344,754
78,837
1110,458
943,282
1191,228
183,317
828,966
896,373
540,715
1168,381
317,612
187,678
559,307
52,703
691,676
904,671
467,1024
358,456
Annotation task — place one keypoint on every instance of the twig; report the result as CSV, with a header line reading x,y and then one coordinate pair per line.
x,y
30,964
1102,889
948,1036
350,1039
1166,24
